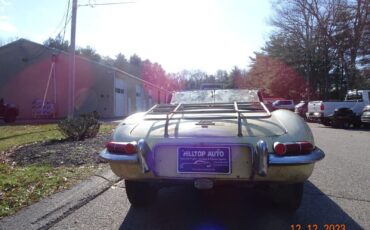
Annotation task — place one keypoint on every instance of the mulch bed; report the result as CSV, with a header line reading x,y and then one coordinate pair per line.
x,y
60,152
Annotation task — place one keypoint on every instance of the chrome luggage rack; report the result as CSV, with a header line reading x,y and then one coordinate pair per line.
x,y
240,109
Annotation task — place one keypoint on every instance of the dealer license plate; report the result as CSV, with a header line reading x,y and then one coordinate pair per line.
x,y
214,160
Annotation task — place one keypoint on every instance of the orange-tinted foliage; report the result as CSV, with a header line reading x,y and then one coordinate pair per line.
x,y
276,78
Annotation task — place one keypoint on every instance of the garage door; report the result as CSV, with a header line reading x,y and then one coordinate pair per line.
x,y
139,98
120,98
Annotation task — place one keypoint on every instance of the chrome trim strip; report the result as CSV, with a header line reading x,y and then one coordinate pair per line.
x,y
168,118
131,159
142,152
240,133
265,108
316,155
236,108
262,158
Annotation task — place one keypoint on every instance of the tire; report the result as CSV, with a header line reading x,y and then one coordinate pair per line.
x,y
336,124
325,121
356,124
140,193
288,197
356,121
346,124
10,116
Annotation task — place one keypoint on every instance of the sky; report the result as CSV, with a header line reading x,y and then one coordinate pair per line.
x,y
205,35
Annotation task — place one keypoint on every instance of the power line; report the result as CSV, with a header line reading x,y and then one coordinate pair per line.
x,y
41,50
60,26
67,19
105,4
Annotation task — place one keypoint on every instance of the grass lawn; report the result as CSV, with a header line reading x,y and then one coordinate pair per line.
x,y
23,185
12,136
16,135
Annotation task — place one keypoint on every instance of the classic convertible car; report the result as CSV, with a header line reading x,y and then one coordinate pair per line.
x,y
212,137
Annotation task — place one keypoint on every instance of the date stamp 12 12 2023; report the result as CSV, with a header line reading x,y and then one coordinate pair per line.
x,y
318,227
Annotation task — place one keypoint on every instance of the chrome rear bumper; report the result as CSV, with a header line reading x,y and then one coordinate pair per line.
x,y
266,165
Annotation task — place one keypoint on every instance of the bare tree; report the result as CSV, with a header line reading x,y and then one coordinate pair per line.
x,y
343,22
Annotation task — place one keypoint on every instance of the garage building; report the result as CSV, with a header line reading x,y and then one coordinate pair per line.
x,y
36,79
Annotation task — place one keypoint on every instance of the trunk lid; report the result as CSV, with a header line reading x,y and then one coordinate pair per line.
x,y
314,106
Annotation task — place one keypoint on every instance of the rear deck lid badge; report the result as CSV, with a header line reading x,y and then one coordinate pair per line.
x,y
205,123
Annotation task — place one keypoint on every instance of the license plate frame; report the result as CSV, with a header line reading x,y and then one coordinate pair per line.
x,y
204,159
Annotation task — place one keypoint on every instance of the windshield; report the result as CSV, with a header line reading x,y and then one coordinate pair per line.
x,y
215,96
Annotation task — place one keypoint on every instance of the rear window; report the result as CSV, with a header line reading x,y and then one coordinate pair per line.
x,y
283,103
354,96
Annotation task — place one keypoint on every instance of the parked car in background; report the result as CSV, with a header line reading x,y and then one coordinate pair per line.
x,y
283,104
212,137
355,101
301,109
344,118
8,112
269,100
365,118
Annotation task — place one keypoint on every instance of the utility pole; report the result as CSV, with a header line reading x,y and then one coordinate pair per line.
x,y
72,62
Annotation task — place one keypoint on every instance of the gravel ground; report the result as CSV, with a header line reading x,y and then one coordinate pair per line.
x,y
60,152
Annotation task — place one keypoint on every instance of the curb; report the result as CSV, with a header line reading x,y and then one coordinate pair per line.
x,y
49,211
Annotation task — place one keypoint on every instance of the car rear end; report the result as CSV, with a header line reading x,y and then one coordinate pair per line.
x,y
315,110
365,117
219,148
208,144
301,109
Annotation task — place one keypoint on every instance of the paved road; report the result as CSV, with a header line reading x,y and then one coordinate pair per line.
x,y
337,193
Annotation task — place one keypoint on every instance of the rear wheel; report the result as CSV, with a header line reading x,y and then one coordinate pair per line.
x,y
356,121
336,124
140,193
288,197
325,121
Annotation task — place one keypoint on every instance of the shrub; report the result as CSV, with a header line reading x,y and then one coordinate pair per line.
x,y
81,127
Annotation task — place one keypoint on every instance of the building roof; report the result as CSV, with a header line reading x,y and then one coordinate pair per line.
x,y
44,48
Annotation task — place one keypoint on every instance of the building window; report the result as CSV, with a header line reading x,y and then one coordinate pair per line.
x,y
118,90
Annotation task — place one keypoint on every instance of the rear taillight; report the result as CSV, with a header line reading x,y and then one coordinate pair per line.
x,y
121,147
292,148
306,147
322,107
279,148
